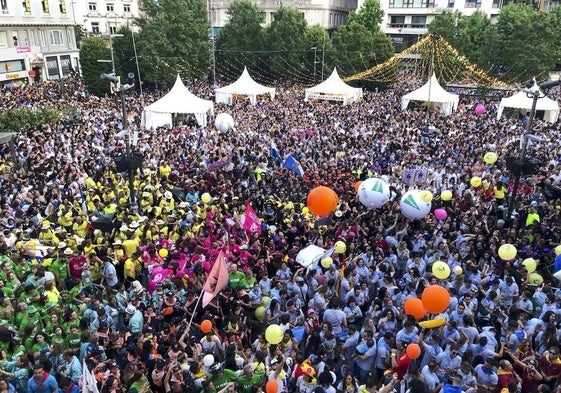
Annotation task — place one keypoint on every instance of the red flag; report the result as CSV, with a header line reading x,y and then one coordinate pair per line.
x,y
217,279
252,224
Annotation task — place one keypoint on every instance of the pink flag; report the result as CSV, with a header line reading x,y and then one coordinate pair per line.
x,y
159,274
216,281
252,224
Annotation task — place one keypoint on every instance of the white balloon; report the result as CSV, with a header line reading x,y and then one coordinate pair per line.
x,y
224,122
208,360
412,206
374,193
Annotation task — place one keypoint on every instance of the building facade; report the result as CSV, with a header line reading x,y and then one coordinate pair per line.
x,y
329,14
37,41
104,17
405,21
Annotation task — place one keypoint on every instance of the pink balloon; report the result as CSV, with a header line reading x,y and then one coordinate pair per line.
x,y
440,214
480,109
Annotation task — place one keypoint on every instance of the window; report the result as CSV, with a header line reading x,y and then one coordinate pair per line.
x,y
52,67
66,65
3,39
126,7
4,6
15,39
42,37
451,3
397,21
62,6
92,6
56,37
110,7
95,27
26,6
11,66
112,29
497,3
45,6
418,21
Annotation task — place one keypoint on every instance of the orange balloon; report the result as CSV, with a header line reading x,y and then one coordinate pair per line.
x,y
414,306
322,201
206,326
272,386
435,299
413,351
357,185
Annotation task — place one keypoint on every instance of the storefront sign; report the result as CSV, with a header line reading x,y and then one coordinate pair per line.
x,y
12,76
23,49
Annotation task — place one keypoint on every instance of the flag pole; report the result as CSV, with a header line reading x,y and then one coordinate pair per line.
x,y
195,310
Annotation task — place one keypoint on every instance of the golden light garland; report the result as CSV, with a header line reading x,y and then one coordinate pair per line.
x,y
431,54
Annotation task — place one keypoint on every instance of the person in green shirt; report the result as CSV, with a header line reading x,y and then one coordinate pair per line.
x,y
235,278
31,318
73,339
59,268
248,280
221,378
57,336
41,344
248,379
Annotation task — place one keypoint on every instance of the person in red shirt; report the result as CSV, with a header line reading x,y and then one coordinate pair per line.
x,y
400,363
506,375
550,365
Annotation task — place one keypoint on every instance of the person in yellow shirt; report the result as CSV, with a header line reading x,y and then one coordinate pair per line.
x,y
80,227
164,170
130,246
132,267
47,234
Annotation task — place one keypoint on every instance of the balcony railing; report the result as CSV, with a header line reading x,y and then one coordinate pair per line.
x,y
407,25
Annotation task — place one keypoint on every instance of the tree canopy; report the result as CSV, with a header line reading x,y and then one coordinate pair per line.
x,y
93,49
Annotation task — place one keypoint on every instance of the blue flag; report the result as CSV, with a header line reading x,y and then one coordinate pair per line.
x,y
292,164
274,152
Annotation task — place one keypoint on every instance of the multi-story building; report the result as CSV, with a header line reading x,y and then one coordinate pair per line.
x,y
405,21
37,41
329,14
104,17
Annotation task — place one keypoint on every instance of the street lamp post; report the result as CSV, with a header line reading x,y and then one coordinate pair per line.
x,y
533,90
315,49
126,134
137,69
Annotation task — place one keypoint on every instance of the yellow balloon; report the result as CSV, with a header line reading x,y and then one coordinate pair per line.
x,y
326,262
340,247
274,334
260,313
265,300
426,196
441,270
490,158
535,279
475,181
507,252
206,198
530,264
163,252
446,195
558,250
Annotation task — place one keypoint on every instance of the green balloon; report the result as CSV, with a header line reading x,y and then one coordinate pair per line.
x,y
265,300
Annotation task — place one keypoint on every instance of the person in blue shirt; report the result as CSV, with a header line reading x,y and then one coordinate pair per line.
x,y
41,381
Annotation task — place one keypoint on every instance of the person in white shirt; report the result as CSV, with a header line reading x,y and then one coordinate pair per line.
x,y
430,377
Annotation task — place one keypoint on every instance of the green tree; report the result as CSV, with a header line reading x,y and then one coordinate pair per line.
x,y
526,40
241,37
80,34
370,15
317,37
286,40
123,52
475,31
92,50
449,25
357,48
174,38
24,119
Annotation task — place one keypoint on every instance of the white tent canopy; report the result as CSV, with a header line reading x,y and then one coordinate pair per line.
x,y
334,89
178,100
523,103
245,86
432,92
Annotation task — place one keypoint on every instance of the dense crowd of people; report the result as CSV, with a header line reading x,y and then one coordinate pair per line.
x,y
101,295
